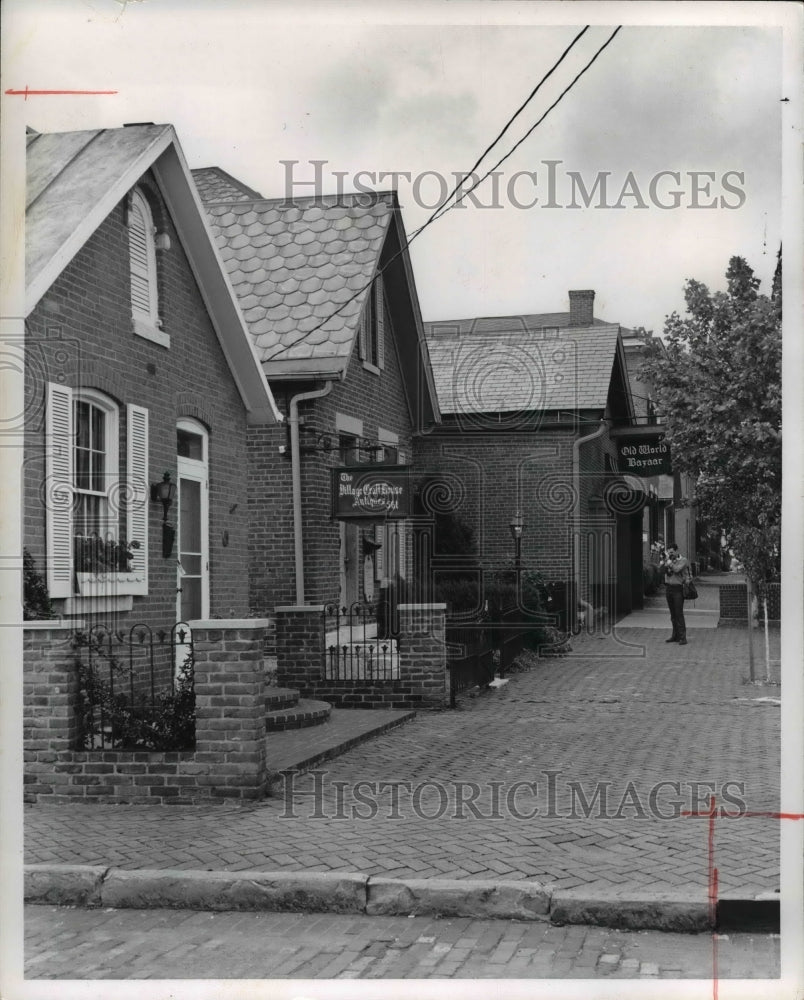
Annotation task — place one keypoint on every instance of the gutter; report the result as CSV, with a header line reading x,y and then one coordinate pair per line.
x,y
295,465
576,514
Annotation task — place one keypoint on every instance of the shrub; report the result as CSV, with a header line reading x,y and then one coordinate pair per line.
x,y
114,720
651,578
35,599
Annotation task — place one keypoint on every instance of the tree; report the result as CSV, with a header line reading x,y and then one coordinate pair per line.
x,y
718,388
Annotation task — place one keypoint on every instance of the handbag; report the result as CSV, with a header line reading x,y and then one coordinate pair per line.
x,y
689,589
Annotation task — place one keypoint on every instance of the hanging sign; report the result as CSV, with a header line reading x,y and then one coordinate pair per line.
x,y
644,456
378,491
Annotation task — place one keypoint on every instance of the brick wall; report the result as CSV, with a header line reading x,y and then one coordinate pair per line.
x,y
423,678
81,334
378,400
229,756
489,475
734,607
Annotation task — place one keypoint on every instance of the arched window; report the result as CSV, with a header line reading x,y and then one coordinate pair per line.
x,y
142,263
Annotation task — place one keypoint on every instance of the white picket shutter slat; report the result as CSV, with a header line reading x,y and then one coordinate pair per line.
x,y
138,494
59,491
379,313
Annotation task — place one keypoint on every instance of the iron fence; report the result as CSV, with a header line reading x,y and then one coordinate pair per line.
x,y
136,688
470,657
357,646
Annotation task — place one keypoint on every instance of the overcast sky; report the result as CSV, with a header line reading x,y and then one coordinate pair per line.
x,y
248,85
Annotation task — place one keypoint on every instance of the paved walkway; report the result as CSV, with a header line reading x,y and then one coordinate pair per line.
x,y
166,944
575,774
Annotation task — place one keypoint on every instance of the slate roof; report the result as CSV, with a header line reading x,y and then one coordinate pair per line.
x,y
292,263
215,184
503,366
75,179
506,324
64,173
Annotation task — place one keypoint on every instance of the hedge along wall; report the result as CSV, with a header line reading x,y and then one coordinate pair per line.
x,y
229,757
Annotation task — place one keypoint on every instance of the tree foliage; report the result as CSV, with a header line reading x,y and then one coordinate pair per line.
x,y
717,383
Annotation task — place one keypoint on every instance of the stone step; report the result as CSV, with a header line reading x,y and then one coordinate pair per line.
x,y
295,751
307,712
279,697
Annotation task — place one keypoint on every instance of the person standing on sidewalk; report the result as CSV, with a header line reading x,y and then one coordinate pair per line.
x,y
675,567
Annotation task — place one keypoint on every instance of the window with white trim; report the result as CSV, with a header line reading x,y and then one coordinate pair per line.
x,y
143,270
96,523
371,341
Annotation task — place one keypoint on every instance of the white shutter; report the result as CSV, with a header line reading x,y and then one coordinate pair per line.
x,y
138,494
142,258
59,490
379,313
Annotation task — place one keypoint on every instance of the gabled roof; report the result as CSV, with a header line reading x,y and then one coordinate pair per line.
x,y
293,263
505,365
75,179
536,322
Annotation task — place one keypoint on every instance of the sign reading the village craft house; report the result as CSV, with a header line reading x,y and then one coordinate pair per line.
x,y
371,491
645,456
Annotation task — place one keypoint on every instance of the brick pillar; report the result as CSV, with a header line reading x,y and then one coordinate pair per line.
x,y
300,647
230,707
423,653
50,687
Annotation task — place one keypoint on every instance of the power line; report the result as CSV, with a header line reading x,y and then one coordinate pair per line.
x,y
444,209
508,124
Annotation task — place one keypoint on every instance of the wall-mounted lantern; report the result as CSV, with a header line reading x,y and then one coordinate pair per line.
x,y
165,493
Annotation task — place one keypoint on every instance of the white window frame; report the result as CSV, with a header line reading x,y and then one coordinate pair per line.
x,y
62,578
142,265
196,470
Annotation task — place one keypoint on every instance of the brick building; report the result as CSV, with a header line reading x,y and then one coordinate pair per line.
x,y
327,292
137,365
529,404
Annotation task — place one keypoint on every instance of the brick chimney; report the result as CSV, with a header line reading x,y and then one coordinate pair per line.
x,y
582,307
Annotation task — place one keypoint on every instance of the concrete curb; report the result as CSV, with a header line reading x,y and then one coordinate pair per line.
x,y
352,892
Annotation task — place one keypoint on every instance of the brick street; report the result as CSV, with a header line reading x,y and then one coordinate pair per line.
x,y
63,943
619,710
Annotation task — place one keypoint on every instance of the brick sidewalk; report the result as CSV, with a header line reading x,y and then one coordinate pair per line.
x,y
628,710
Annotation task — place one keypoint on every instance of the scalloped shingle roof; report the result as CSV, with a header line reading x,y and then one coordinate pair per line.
x,y
293,263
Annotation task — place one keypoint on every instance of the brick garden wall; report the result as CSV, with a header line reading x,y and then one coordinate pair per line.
x,y
734,602
229,756
423,681
81,333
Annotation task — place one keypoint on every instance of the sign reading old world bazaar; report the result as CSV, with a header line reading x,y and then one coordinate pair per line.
x,y
645,456
371,491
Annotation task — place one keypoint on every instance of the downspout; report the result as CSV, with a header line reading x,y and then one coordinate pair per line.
x,y
295,465
576,514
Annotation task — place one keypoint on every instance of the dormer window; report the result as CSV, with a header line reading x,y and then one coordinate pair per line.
x,y
142,266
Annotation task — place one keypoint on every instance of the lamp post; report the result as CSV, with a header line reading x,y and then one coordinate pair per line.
x,y
517,526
